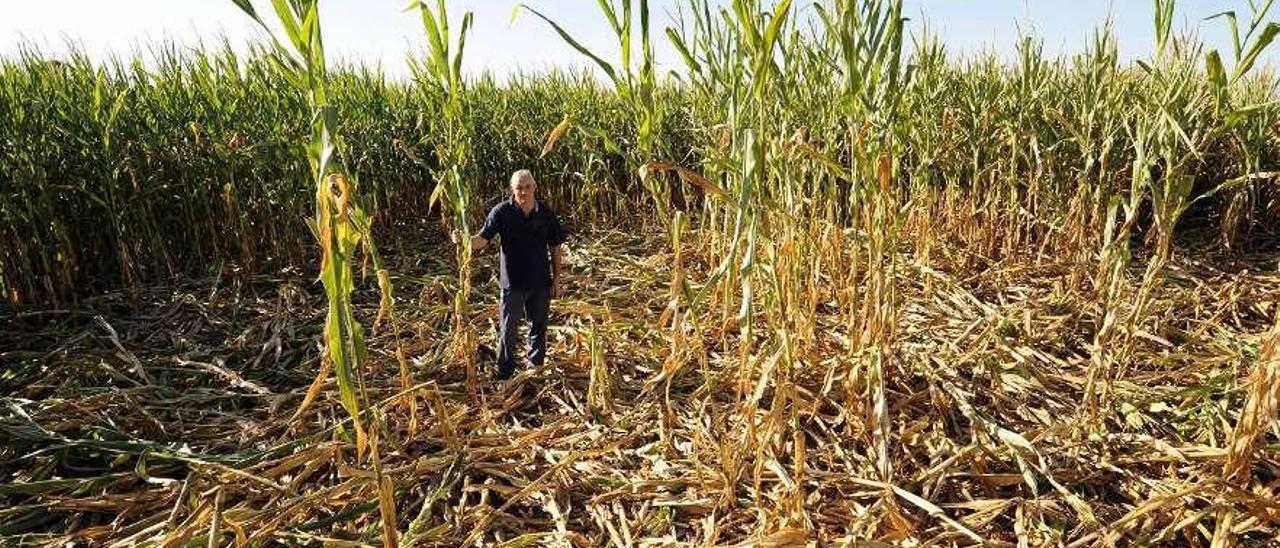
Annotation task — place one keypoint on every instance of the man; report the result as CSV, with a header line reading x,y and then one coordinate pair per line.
x,y
529,272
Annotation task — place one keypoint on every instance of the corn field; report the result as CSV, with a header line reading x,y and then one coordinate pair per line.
x,y
830,283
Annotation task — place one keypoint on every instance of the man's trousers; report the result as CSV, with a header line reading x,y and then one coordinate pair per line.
x,y
516,305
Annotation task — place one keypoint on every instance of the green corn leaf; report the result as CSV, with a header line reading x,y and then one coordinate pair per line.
x,y
645,44
436,43
1217,75
40,487
140,467
311,27
247,7
624,39
288,66
336,325
780,13
606,67
747,23
1163,24
342,366
610,145
1240,115
1254,108
443,15
95,100
1235,30
1235,183
436,194
1255,49
689,60
361,350
611,15
1177,128
462,44
109,127
289,20
823,15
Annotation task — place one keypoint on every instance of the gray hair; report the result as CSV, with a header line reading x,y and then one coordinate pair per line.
x,y
521,174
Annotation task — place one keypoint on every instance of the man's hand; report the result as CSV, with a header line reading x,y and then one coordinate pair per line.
x,y
476,242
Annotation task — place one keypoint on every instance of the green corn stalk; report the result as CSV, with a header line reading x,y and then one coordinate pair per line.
x,y
728,64
733,59
1093,124
340,224
744,72
1114,261
440,76
1187,116
866,38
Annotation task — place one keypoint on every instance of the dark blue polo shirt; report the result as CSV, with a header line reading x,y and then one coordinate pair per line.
x,y
526,243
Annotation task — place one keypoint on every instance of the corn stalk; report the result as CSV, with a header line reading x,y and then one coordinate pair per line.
x,y
340,224
865,38
440,75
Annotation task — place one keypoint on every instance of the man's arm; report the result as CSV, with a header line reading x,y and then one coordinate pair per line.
x,y
491,229
476,242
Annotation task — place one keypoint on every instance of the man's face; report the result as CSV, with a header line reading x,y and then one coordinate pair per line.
x,y
523,189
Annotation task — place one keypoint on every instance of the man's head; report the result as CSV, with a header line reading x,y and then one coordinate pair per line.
x,y
523,188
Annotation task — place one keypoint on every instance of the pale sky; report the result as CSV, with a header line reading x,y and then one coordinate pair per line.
x,y
381,32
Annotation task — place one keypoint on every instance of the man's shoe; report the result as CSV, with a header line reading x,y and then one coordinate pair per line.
x,y
486,356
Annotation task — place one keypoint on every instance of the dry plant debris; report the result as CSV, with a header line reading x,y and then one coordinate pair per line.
x,y
171,424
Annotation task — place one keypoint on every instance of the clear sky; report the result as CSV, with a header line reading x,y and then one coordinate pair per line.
x,y
379,31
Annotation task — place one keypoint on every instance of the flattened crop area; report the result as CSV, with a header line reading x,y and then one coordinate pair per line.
x,y
176,417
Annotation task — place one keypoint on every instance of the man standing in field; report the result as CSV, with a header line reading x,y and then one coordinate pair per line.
x,y
529,267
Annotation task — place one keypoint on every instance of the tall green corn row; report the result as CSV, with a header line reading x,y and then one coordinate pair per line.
x,y
200,176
